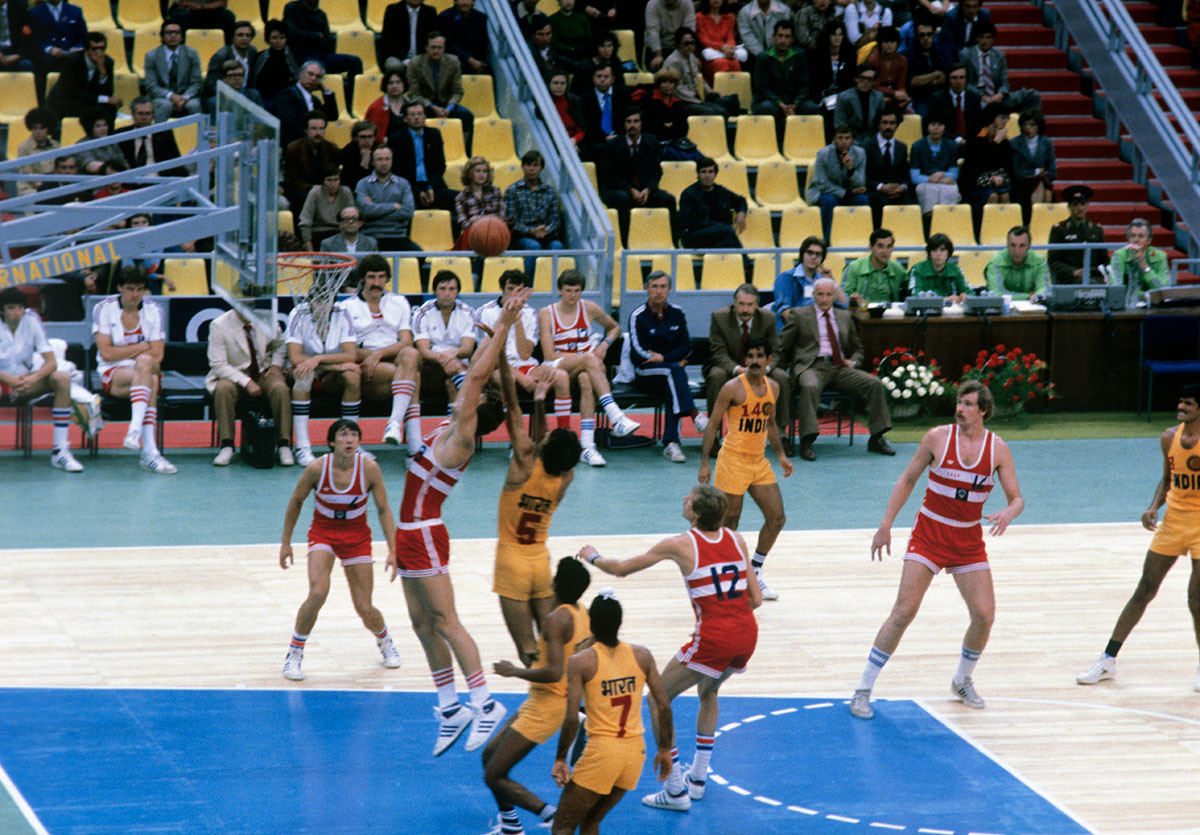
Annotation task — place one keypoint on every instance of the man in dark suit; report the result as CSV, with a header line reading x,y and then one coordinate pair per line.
x,y
630,170
147,150
604,108
306,95
86,78
58,30
465,28
239,49
959,26
14,42
889,182
860,106
306,160
405,27
824,349
420,158
927,66
960,103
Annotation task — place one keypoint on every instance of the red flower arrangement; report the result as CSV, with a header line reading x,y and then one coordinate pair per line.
x,y
1013,376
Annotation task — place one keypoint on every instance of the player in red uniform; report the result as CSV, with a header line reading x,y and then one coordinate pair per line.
x,y
714,563
342,481
422,553
948,534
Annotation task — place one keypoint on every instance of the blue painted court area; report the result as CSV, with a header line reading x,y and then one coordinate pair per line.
x,y
292,761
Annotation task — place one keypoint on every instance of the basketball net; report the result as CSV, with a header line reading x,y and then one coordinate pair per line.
x,y
315,278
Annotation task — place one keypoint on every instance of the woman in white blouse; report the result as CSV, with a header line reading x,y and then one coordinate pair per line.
x,y
863,20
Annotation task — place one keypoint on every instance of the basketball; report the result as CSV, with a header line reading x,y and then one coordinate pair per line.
x,y
488,235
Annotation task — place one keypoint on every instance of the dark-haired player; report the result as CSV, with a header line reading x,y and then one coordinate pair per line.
x,y
341,480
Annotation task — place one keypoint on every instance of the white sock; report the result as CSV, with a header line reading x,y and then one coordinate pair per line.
x,y
704,746
300,423
350,409
402,395
62,425
966,664
875,661
139,401
479,689
412,426
611,408
149,444
675,784
443,680
587,432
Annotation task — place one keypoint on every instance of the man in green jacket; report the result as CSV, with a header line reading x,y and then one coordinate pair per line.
x,y
1138,263
1016,271
875,277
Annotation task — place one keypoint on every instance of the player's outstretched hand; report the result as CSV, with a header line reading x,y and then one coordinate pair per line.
x,y
285,556
882,541
505,668
662,762
999,521
1150,520
512,307
561,772
586,553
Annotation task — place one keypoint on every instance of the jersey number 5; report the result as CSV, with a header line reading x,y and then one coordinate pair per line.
x,y
526,534
625,703
732,592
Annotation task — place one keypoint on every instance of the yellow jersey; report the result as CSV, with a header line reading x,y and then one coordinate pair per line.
x,y
1184,492
746,424
613,698
580,632
524,517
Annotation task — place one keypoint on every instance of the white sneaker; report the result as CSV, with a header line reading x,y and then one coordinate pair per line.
x,y
965,691
393,434
624,427
1102,670
674,453
498,828
768,593
158,464
700,421
666,800
452,726
695,787
592,457
224,457
860,705
487,720
285,457
291,664
62,459
391,658
133,438
304,456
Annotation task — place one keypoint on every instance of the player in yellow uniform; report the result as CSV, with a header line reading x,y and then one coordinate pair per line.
x,y
538,478
1178,534
609,676
566,631
748,404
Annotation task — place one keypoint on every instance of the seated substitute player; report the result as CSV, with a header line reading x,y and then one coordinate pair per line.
x,y
1178,534
713,561
947,534
749,403
422,553
530,375
382,323
339,532
568,343
444,330
22,337
609,676
564,632
321,364
129,334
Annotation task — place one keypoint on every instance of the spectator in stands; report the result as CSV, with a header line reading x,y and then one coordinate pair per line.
x,y
406,26
831,68
711,216
243,363
839,177
666,118
355,158
823,347
960,25
793,288
306,96
604,110
466,34
987,167
570,35
479,197
663,19
756,26
936,273
305,160
319,218
1066,265
203,14
891,68
275,69
811,20
58,30
697,101
238,49
605,55
659,347
526,12
1138,264
348,238
110,167
444,336
387,111
569,108
603,14
435,80
629,172
532,207
86,78
1017,270
1034,165
96,125
14,36
927,67
420,158
234,74
40,122
864,19
716,30
544,57
386,203
780,86
860,107
153,266
173,78
987,72
147,150
312,40
960,103
889,182
64,166
934,161
875,277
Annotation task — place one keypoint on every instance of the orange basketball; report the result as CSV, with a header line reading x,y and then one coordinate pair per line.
x,y
488,235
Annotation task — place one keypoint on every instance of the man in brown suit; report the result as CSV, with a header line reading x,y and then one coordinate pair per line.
x,y
823,346
306,160
729,329
435,80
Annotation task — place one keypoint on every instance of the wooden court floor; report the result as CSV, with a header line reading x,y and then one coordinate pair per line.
x,y
1122,756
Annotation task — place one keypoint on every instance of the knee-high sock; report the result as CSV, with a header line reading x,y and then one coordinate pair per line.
x,y
62,425
611,408
300,410
562,411
402,395
350,409
149,425
412,425
139,401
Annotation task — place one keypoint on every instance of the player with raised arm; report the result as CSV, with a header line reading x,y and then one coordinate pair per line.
x,y
609,676
422,555
948,534
341,481
715,568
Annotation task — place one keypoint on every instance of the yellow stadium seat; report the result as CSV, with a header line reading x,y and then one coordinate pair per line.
x,y
910,129
188,276
998,218
479,96
734,84
754,140
758,232
452,176
776,188
649,229
590,168
493,268
547,7
452,141
802,138
249,10
430,230
507,174
287,221
408,275
357,41
137,15
144,40
458,265
684,276
1013,128
116,48
837,261
614,219
906,224
72,131
972,265
98,14
852,226
494,141
17,96
206,42
127,86
366,91
677,176
797,224
766,270
375,12
708,132
337,83
16,135
732,175
954,221
545,275
627,46
338,132
442,5
864,51
186,137
1043,216
722,271
636,79
342,16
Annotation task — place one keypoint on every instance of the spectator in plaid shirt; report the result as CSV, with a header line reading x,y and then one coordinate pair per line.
x,y
532,209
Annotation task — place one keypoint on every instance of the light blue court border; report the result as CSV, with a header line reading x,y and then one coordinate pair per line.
x,y
296,761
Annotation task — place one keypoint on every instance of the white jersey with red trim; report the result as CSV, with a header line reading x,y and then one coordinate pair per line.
x,y
717,585
489,314
574,337
343,508
379,330
427,484
106,319
957,491
19,347
302,330
443,335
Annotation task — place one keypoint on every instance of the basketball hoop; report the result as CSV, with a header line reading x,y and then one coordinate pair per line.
x,y
316,278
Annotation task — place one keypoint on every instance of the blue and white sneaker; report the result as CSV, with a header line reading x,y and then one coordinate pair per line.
x,y
695,787
158,464
487,719
452,724
665,800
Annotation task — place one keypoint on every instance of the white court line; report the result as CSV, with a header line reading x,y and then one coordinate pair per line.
x,y
754,718
818,704
783,711
19,800
842,819
936,831
767,800
803,811
895,826
739,790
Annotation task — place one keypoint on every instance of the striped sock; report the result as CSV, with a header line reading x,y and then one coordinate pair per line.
x,y
562,411
402,395
298,641
704,745
966,664
478,687
62,423
412,426
611,408
380,637
510,824
350,409
300,410
139,400
875,661
149,424
458,378
587,432
758,559
675,786
443,680
547,812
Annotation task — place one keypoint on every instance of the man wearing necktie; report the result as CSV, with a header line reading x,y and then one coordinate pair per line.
x,y
629,172
889,182
987,73
961,104
604,107
823,345
173,77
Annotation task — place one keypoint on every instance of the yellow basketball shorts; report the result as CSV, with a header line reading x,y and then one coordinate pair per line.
x,y
608,762
540,717
737,473
522,574
1178,533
